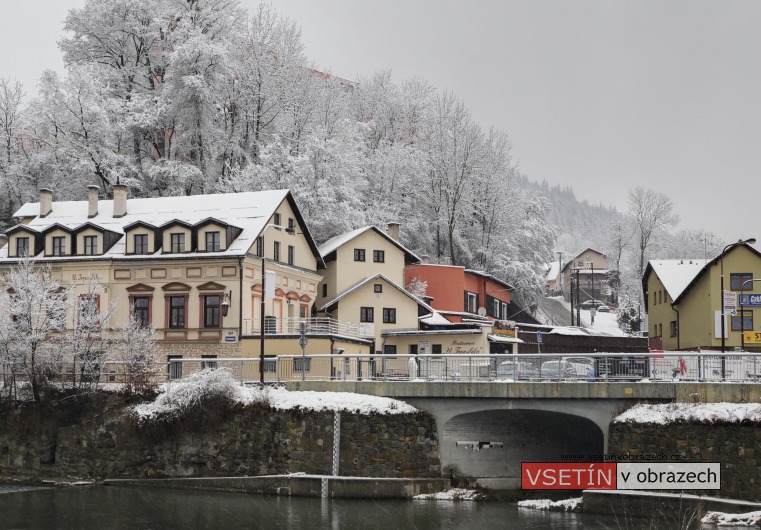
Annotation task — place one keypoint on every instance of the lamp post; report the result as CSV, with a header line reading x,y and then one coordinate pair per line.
x,y
262,306
749,241
742,315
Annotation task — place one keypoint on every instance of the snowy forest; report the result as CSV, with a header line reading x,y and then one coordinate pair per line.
x,y
179,97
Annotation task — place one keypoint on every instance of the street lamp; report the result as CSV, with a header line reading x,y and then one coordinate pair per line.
x,y
226,303
742,315
262,306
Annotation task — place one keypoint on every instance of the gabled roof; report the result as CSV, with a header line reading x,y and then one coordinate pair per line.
x,y
568,263
138,223
709,264
364,282
332,244
56,226
21,228
675,274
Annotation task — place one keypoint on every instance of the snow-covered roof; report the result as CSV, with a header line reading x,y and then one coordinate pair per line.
x,y
676,274
249,211
359,284
491,277
338,241
554,271
435,319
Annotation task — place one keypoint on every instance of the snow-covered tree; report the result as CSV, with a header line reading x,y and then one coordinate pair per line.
x,y
133,347
35,308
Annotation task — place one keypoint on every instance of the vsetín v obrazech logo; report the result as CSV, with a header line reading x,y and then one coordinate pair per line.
x,y
622,476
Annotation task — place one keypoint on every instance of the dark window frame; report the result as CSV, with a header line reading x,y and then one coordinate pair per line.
x,y
90,245
359,254
736,324
142,314
212,314
379,256
291,254
736,280
389,315
389,349
216,241
177,313
140,243
59,245
378,288
22,249
276,251
177,242
367,314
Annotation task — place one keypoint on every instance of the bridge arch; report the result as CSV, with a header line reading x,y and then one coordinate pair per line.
x,y
490,445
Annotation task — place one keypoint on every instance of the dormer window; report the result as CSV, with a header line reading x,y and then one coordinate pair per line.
x,y
141,243
212,242
22,246
91,245
59,246
177,242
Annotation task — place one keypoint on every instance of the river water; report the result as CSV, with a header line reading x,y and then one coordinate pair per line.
x,y
121,507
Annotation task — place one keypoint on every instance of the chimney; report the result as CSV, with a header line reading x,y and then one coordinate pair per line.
x,y
120,200
92,201
393,231
46,201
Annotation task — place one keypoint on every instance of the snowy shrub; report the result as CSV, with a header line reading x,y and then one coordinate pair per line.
x,y
197,398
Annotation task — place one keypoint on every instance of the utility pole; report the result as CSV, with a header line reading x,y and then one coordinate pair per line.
x,y
560,271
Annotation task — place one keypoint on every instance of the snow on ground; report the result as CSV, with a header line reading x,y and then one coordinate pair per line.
x,y
663,414
182,395
454,494
604,322
732,519
567,505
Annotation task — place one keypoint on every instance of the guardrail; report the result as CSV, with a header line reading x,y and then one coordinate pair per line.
x,y
590,368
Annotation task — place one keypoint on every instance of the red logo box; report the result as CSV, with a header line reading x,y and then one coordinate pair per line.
x,y
568,476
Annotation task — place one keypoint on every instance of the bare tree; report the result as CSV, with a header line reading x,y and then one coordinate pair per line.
x,y
652,212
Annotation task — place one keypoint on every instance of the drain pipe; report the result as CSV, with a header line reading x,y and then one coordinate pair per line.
x,y
678,327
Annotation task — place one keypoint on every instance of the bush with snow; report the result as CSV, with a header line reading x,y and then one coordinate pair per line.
x,y
453,494
209,389
200,390
707,413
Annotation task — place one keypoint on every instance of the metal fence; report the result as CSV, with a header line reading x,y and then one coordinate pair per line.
x,y
591,368
314,326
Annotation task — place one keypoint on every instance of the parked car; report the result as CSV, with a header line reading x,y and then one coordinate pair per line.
x,y
582,366
603,309
557,370
589,304
517,370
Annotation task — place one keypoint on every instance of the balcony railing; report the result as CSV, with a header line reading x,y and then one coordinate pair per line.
x,y
314,326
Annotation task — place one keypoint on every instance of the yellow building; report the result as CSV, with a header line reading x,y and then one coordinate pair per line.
x,y
683,300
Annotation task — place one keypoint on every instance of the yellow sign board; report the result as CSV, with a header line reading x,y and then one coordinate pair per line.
x,y
752,337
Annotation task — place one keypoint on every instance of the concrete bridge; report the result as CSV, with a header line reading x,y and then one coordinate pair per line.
x,y
486,429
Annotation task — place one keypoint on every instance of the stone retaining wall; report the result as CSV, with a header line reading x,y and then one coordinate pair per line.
x,y
96,441
737,447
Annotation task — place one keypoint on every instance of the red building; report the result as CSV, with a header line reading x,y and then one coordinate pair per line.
x,y
458,293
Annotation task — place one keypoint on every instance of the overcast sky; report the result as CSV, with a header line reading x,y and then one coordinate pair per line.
x,y
598,95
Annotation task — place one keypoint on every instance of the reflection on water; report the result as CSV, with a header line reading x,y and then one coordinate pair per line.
x,y
114,507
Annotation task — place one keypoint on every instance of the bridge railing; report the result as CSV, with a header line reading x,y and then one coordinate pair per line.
x,y
591,368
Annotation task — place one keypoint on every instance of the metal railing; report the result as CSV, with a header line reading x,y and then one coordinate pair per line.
x,y
315,326
588,368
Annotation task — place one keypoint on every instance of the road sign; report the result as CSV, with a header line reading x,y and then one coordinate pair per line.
x,y
752,337
539,337
303,341
730,301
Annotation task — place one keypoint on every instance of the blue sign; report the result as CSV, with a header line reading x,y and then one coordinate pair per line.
x,y
538,337
230,339
750,300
